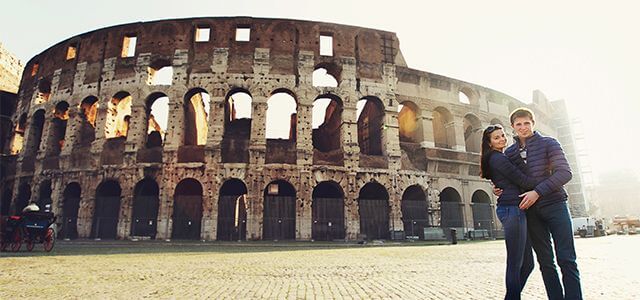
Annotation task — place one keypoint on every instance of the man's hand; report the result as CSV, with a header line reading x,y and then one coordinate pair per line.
x,y
497,191
528,199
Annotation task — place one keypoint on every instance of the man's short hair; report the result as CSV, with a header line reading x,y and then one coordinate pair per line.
x,y
522,112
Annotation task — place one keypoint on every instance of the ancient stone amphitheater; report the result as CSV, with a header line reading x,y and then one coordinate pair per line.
x,y
242,128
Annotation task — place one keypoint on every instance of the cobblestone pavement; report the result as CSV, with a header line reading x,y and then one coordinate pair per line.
x,y
609,266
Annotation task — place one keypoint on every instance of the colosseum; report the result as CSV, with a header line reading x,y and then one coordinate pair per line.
x,y
240,128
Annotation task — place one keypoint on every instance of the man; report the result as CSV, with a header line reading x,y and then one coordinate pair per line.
x,y
548,215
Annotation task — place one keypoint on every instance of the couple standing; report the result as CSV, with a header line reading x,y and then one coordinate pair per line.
x,y
537,165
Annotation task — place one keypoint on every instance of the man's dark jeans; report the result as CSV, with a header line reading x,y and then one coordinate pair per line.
x,y
519,255
554,221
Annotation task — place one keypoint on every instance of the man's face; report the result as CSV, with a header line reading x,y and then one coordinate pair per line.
x,y
523,126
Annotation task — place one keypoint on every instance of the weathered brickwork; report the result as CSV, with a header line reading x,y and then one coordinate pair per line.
x,y
87,147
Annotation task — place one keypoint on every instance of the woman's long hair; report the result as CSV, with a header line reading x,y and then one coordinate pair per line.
x,y
485,152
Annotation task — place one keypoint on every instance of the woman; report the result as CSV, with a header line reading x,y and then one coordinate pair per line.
x,y
495,165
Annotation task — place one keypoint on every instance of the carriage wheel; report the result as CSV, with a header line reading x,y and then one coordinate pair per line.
x,y
3,245
49,240
30,244
16,240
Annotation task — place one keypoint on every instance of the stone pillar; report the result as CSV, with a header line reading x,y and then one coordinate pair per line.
x,y
455,133
352,216
72,135
258,142
428,139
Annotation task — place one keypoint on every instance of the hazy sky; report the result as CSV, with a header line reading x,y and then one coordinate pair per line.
x,y
586,52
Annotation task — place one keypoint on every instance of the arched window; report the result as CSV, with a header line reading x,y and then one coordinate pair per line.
x,y
37,126
281,116
472,133
321,77
88,112
410,123
58,128
157,119
160,73
326,123
370,112
118,115
443,128
196,112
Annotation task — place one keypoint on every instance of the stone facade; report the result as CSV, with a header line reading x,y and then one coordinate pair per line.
x,y
409,161
10,71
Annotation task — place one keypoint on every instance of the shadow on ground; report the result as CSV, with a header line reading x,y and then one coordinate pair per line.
x,y
92,247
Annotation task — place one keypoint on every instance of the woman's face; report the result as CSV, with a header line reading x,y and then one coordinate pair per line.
x,y
497,140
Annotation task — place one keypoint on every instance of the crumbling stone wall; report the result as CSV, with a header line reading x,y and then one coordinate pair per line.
x,y
280,56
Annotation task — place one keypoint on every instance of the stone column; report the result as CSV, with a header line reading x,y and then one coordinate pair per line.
x,y
428,139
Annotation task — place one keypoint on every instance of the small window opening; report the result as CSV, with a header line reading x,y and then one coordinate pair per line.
x,y
463,98
243,34
202,34
326,45
321,78
129,46
281,112
72,51
34,69
162,76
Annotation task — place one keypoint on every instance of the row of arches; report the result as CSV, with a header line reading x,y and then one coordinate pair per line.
x,y
281,122
279,202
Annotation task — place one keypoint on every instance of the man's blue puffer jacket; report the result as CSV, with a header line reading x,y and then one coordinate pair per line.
x,y
546,164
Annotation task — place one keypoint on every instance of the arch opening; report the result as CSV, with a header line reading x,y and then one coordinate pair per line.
x,y
187,210
232,211
451,210
88,111
373,207
327,210
370,112
106,210
70,206
415,212
157,119
196,112
327,123
237,127
58,128
472,133
279,214
118,116
146,202
482,211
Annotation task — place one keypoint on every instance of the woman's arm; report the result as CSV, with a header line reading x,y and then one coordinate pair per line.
x,y
503,165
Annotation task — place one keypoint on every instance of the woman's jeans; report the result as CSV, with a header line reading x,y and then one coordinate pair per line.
x,y
519,256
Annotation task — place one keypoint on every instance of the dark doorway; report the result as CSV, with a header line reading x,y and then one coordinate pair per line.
x,y
279,211
22,200
373,207
450,209
187,210
145,208
6,201
70,206
327,210
482,211
107,210
415,215
44,197
232,212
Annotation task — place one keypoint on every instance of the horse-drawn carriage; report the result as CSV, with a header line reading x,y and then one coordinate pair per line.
x,y
29,228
